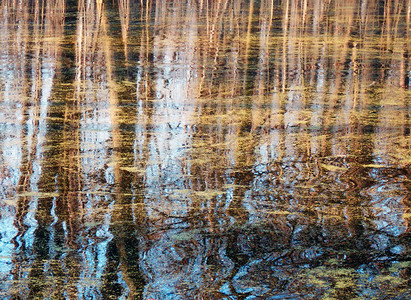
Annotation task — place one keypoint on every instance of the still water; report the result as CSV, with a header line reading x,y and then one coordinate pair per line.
x,y
217,149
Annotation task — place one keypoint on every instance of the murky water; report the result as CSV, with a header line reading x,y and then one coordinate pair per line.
x,y
225,149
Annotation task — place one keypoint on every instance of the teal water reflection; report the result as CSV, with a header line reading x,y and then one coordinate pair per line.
x,y
228,149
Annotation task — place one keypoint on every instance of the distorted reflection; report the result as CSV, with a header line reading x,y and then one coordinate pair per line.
x,y
233,149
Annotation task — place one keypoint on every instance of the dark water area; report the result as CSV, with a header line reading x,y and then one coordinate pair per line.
x,y
211,149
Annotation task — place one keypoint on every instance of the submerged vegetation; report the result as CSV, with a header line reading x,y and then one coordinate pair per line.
x,y
211,149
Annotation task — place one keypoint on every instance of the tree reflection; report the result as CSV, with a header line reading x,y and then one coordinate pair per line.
x,y
205,149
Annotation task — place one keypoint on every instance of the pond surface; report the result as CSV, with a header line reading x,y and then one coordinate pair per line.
x,y
225,149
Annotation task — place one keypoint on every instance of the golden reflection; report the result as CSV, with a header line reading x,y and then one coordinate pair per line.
x,y
202,149
124,11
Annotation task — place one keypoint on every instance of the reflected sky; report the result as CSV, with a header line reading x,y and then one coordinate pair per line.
x,y
229,149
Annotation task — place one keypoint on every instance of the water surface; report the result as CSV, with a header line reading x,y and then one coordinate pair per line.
x,y
227,149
